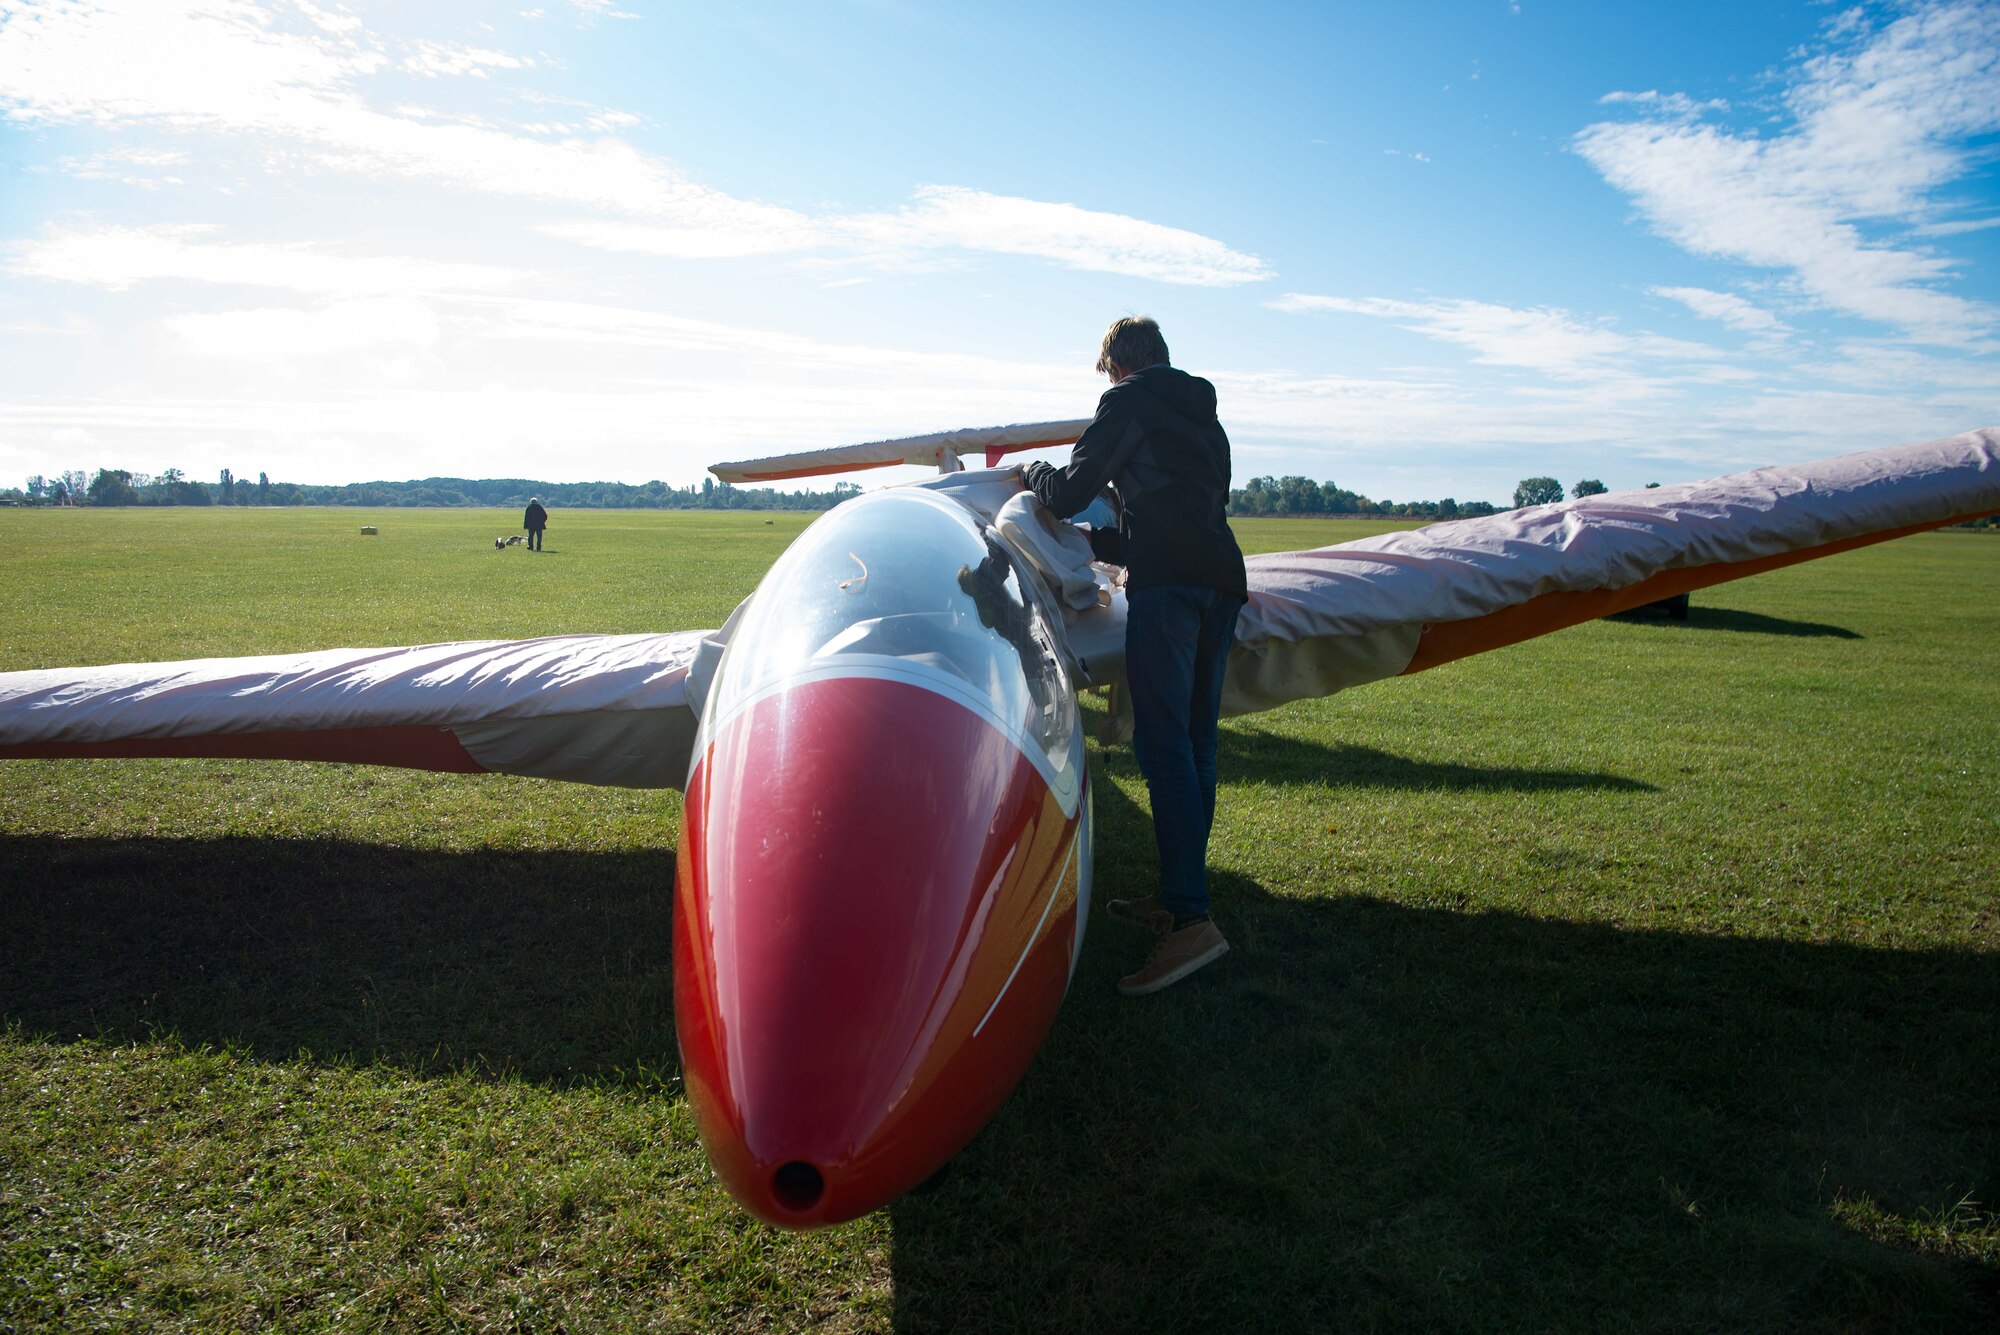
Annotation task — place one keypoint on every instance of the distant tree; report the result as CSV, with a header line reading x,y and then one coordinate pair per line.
x,y
263,488
228,487
112,486
38,486
74,482
170,487
59,492
1537,491
1299,496
1590,486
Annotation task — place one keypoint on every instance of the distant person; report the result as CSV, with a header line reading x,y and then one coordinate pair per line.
x,y
1157,441
534,519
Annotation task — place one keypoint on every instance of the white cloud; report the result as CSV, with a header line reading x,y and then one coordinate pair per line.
x,y
136,167
1539,338
328,19
118,257
953,216
282,338
1877,128
224,66
1666,104
435,59
1727,307
1955,228
1881,366
586,323
192,64
687,243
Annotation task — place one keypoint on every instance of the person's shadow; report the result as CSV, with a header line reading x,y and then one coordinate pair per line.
x,y
1373,1115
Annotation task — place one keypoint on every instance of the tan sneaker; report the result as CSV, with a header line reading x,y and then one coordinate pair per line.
x,y
1174,957
1150,913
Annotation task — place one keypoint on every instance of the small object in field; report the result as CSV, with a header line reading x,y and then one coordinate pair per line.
x,y
368,530
501,544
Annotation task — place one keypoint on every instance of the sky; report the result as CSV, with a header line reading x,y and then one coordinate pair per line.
x,y
1422,250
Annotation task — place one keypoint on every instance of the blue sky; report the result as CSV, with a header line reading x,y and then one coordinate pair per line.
x,y
1423,250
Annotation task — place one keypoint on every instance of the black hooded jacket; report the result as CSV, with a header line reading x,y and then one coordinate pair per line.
x,y
1156,439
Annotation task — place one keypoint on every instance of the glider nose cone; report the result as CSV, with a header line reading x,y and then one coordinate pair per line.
x,y
874,916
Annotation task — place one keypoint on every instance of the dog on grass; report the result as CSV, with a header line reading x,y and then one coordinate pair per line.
x,y
501,544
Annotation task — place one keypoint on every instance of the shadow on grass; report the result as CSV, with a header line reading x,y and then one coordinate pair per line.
x,y
554,967
1750,623
1371,1115
1274,758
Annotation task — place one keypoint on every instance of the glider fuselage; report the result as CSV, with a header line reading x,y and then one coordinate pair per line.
x,y
885,861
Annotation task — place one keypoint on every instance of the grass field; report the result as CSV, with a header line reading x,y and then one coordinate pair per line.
x,y
1646,976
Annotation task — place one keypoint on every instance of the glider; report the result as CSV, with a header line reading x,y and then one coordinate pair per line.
x,y
885,864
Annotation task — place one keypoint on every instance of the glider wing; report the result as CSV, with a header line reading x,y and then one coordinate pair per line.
x,y
1322,620
994,441
604,709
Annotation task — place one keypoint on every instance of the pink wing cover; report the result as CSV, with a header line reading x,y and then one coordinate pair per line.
x,y
609,709
616,709
1333,617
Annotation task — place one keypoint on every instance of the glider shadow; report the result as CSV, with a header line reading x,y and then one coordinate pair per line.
x,y
551,967
1749,623
1377,1116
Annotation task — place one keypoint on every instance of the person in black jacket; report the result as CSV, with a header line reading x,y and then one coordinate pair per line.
x,y
534,519
1157,441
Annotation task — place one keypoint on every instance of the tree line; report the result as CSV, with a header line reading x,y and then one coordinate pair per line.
x,y
1291,495
118,486
1303,496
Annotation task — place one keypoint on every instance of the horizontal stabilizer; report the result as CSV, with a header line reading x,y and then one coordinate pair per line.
x,y
932,450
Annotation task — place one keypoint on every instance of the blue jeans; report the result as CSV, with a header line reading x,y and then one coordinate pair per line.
x,y
1177,639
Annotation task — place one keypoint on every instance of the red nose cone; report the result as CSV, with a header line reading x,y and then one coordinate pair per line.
x,y
874,915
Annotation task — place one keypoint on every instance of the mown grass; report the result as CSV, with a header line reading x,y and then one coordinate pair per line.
x,y
1644,976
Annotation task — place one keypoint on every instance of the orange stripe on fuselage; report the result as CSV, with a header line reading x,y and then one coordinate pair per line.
x,y
1449,640
405,747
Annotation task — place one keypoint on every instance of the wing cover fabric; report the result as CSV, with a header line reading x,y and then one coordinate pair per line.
x,y
931,449
605,709
1319,621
